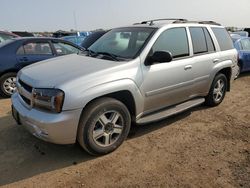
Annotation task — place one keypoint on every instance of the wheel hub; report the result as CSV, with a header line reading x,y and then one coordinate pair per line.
x,y
9,85
109,128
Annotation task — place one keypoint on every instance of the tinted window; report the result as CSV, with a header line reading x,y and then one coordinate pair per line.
x,y
64,49
210,44
201,39
223,38
245,44
35,48
173,40
198,40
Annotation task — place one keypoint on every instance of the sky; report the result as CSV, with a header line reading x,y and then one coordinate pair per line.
x,y
53,15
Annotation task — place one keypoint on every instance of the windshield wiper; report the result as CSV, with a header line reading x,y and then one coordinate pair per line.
x,y
90,52
113,56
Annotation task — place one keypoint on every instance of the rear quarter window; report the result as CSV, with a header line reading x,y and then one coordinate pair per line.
x,y
223,38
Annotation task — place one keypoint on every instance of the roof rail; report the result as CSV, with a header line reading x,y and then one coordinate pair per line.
x,y
164,19
209,22
178,20
199,22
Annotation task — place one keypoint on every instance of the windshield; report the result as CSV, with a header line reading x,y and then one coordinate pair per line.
x,y
122,42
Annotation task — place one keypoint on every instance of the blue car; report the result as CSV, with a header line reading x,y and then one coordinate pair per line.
x,y
242,44
20,52
74,39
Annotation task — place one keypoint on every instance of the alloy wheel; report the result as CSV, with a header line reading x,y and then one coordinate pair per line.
x,y
219,90
108,128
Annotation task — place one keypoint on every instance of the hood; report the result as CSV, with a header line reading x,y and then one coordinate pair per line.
x,y
53,72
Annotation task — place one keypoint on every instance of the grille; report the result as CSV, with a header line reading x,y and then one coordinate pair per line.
x,y
25,86
26,100
25,92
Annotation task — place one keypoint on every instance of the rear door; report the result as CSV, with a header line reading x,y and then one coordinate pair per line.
x,y
205,57
33,51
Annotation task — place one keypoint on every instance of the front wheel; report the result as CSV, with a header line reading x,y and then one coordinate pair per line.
x,y
103,126
7,84
217,91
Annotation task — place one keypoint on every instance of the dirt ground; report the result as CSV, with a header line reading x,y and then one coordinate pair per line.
x,y
203,147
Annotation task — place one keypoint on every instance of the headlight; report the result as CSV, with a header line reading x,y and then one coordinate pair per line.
x,y
48,99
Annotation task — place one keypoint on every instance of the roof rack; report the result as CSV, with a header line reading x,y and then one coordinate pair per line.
x,y
164,19
199,22
178,20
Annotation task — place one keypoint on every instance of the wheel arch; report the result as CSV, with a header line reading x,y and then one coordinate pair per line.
x,y
124,96
124,90
228,73
9,71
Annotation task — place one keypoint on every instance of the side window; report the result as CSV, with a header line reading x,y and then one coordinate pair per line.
x,y
35,48
201,39
20,51
245,44
223,38
198,40
210,44
64,49
173,40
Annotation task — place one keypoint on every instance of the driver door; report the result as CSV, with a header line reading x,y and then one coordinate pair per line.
x,y
166,84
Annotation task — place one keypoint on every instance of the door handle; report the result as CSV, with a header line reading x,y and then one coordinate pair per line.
x,y
216,61
188,67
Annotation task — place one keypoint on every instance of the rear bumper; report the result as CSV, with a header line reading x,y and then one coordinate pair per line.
x,y
55,128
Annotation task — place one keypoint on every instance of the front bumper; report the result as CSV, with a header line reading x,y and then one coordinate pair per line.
x,y
58,128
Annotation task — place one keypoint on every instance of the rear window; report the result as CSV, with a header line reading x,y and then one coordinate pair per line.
x,y
223,38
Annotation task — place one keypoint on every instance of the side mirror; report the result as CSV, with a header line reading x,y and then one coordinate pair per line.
x,y
160,57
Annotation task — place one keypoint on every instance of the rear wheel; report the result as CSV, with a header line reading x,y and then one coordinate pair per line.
x,y
7,84
217,91
103,126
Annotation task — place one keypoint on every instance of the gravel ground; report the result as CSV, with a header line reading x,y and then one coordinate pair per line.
x,y
203,147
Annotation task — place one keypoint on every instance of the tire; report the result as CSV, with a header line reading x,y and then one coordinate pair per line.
x,y
217,91
103,126
7,84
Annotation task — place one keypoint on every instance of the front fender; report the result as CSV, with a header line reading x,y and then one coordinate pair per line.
x,y
81,98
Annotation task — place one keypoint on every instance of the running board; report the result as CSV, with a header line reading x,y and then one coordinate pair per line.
x,y
170,111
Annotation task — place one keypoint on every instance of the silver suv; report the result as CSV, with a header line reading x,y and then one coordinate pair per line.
x,y
141,73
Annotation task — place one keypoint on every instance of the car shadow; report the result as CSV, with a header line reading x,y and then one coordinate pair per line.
x,y
23,156
244,74
140,130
